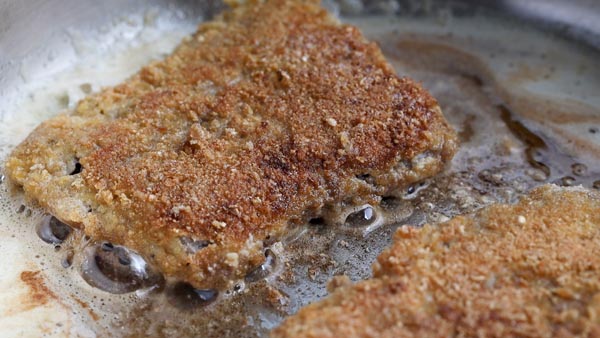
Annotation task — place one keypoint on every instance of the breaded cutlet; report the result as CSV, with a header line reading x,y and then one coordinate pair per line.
x,y
255,123
526,270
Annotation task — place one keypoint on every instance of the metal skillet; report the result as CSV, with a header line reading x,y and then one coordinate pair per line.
x,y
518,80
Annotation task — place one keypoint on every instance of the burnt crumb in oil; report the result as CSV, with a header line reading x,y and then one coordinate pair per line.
x,y
21,209
67,261
237,288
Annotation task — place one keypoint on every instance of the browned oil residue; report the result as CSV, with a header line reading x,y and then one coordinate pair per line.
x,y
40,294
533,142
467,131
85,305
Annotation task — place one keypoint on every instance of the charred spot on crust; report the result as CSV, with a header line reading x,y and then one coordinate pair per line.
x,y
317,221
78,168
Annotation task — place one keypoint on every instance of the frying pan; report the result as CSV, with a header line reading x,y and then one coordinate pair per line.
x,y
519,80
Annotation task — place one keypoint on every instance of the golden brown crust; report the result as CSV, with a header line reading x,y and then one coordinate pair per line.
x,y
263,116
525,270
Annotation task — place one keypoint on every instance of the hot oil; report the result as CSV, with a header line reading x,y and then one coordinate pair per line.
x,y
524,117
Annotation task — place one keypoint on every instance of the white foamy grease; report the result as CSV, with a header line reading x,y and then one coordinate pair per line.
x,y
103,58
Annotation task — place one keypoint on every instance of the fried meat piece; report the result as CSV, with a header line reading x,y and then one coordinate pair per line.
x,y
264,116
525,270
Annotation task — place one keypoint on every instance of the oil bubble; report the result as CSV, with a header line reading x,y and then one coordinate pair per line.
x,y
265,269
52,230
579,169
567,181
361,218
116,269
185,297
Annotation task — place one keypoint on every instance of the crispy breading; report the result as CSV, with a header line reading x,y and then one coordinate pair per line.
x,y
252,125
525,270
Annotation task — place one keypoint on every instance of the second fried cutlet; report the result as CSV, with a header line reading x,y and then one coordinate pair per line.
x,y
525,270
255,123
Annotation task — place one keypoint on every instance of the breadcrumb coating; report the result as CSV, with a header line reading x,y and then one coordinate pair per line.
x,y
264,116
526,270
